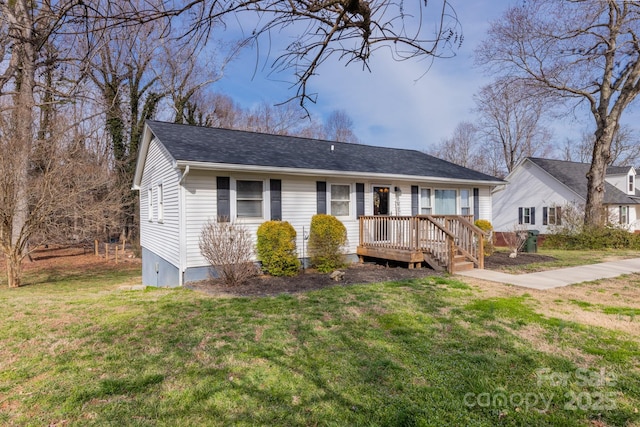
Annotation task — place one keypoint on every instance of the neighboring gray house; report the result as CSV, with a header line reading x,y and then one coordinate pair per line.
x,y
187,175
538,190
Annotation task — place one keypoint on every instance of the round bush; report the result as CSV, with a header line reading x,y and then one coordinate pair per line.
x,y
327,237
276,248
487,227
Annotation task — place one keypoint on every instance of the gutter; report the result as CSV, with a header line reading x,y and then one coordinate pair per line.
x,y
325,172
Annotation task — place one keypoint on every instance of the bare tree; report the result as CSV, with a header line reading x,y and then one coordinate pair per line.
x,y
510,121
349,30
581,52
339,127
461,148
69,198
625,148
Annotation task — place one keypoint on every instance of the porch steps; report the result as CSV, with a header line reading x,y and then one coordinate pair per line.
x,y
460,263
432,262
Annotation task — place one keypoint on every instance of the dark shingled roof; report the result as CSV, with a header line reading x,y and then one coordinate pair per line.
x,y
214,145
574,176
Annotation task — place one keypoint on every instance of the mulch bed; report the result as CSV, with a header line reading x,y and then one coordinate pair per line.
x,y
354,274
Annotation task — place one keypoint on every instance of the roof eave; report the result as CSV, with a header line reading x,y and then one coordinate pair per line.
x,y
315,172
147,135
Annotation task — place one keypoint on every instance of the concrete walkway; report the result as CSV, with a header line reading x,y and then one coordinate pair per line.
x,y
560,277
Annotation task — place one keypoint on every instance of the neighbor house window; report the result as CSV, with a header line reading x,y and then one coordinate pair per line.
x,y
632,184
624,214
160,203
425,201
340,198
527,215
551,215
249,199
150,204
465,206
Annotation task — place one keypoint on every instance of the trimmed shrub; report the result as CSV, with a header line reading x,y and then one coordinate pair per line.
x,y
276,248
327,237
487,227
593,238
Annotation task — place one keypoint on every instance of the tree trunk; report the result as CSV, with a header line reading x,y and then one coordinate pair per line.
x,y
14,269
594,208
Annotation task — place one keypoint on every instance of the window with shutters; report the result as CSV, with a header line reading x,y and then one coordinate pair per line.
x,y
340,195
526,215
249,199
624,214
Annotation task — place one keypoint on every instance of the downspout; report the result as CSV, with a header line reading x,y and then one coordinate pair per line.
x,y
184,174
183,226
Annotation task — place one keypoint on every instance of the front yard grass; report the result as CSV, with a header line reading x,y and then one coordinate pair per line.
x,y
568,258
76,349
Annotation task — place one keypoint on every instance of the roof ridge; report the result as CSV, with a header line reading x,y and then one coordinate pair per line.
x,y
304,138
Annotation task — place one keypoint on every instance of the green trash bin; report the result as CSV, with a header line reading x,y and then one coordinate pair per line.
x,y
531,245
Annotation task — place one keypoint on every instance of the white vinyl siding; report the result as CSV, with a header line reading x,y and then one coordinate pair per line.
x,y
528,187
200,205
299,204
161,238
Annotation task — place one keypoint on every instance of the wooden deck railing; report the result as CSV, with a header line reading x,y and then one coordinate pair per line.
x,y
439,236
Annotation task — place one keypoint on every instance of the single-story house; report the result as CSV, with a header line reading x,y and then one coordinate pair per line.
x,y
539,189
187,175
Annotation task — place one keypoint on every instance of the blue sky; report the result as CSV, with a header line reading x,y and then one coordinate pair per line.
x,y
391,105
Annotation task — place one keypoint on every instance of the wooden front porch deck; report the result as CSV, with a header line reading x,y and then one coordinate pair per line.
x,y
445,242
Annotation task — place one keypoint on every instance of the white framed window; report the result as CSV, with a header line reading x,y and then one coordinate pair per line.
x,y
632,184
150,204
624,214
465,204
425,201
249,199
340,196
160,203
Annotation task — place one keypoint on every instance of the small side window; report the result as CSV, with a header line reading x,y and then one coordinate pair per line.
x,y
150,204
160,203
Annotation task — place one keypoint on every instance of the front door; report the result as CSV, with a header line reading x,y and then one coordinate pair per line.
x,y
381,200
380,208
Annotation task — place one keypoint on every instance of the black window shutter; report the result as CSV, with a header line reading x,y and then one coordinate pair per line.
x,y
558,215
321,193
359,199
415,200
533,216
476,204
275,191
519,215
223,199
545,215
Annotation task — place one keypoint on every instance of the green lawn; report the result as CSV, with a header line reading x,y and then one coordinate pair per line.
x,y
75,349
